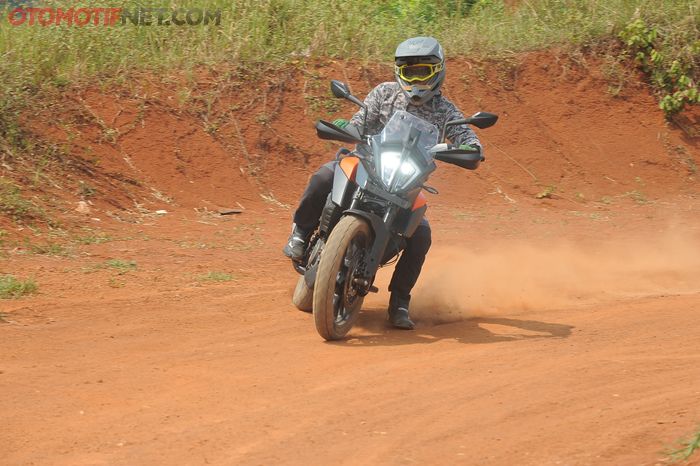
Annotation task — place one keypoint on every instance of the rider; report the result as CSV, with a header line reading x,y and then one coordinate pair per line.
x,y
419,73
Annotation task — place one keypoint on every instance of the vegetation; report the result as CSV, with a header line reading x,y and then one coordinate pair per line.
x,y
215,277
687,448
94,238
254,31
12,288
48,249
279,31
121,266
14,206
671,58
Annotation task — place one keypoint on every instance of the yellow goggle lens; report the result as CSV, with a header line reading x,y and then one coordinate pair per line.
x,y
418,72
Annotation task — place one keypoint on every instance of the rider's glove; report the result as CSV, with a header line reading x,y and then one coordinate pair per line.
x,y
341,122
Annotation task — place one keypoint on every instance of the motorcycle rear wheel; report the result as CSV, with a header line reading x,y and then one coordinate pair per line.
x,y
303,297
336,303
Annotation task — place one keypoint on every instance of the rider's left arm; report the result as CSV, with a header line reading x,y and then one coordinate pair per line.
x,y
460,134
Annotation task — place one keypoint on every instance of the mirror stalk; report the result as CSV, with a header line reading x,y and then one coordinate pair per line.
x,y
342,91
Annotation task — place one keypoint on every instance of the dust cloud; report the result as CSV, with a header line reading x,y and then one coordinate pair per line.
x,y
509,276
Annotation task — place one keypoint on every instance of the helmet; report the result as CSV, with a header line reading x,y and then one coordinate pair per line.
x,y
420,68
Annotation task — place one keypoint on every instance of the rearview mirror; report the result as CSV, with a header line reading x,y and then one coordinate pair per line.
x,y
479,119
482,119
340,89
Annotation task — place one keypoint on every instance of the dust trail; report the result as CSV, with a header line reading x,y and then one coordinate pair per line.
x,y
518,276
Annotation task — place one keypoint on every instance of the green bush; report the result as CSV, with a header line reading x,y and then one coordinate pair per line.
x,y
671,59
11,288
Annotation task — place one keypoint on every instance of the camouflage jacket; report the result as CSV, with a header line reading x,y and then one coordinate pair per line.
x,y
387,97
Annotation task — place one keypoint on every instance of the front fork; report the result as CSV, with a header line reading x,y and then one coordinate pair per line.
x,y
364,276
329,217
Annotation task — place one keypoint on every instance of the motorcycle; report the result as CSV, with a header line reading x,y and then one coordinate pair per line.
x,y
376,203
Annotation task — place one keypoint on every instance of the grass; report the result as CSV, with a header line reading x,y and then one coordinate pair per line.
x,y
215,277
121,266
50,248
282,31
47,249
15,206
687,448
12,288
289,31
637,197
85,190
114,283
94,238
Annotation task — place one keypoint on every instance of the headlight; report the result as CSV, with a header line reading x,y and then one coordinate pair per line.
x,y
393,170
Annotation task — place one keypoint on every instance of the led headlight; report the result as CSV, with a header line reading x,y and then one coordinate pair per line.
x,y
392,169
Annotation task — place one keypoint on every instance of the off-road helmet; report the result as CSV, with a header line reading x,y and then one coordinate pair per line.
x,y
420,68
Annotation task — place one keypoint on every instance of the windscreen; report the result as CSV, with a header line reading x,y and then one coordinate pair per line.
x,y
402,127
401,151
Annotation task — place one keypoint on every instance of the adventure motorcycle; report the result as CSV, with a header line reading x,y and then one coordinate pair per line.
x,y
375,204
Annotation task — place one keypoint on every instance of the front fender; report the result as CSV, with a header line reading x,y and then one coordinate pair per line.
x,y
375,221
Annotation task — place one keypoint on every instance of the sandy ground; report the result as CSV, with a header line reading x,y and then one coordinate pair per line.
x,y
526,352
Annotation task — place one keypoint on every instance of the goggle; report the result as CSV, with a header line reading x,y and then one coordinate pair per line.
x,y
418,72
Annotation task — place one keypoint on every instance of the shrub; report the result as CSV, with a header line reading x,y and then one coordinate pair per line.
x,y
12,288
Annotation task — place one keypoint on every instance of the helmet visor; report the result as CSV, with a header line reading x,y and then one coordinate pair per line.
x,y
418,72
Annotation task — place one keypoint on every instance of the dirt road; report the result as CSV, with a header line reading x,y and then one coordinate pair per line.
x,y
557,312
161,368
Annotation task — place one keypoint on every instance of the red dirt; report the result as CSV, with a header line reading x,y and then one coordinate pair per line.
x,y
553,330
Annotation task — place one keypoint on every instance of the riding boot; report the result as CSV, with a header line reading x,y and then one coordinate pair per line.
x,y
296,245
398,312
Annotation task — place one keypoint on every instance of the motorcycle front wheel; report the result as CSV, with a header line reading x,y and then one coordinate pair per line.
x,y
336,303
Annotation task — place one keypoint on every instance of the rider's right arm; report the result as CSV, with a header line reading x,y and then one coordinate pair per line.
x,y
373,101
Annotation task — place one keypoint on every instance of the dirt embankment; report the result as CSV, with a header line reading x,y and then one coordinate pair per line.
x,y
557,310
220,139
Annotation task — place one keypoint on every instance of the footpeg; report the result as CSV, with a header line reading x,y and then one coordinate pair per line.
x,y
365,284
